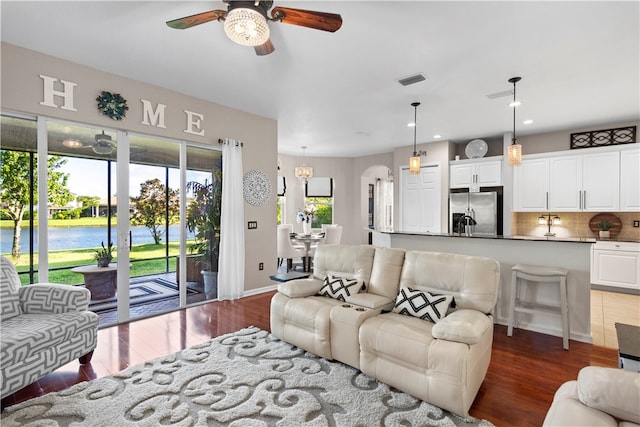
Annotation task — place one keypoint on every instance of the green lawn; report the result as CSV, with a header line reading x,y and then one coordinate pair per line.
x,y
80,222
151,256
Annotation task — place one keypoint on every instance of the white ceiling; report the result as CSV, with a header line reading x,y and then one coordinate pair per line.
x,y
338,93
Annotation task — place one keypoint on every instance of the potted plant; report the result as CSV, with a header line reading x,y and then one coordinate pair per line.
x,y
604,227
104,255
203,219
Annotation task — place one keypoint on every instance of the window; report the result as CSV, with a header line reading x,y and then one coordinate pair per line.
x,y
319,193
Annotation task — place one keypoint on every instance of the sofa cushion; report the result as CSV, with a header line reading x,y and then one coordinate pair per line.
x,y
613,391
9,290
567,410
423,305
372,301
31,333
300,288
340,288
344,261
385,273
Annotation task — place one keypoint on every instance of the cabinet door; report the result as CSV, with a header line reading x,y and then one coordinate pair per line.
x,y
565,184
461,175
531,185
489,174
601,182
630,180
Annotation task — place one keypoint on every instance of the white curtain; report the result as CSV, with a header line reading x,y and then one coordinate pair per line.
x,y
231,260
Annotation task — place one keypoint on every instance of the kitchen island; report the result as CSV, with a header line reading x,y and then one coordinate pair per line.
x,y
570,253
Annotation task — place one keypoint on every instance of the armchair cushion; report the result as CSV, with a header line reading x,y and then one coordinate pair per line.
x,y
46,298
467,326
9,290
421,304
613,391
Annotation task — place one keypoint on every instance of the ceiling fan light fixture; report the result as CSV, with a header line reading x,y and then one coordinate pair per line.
x,y
72,143
102,149
247,27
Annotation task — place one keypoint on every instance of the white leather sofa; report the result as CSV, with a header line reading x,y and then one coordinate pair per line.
x,y
443,363
599,397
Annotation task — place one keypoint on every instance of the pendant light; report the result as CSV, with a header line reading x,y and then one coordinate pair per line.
x,y
514,152
304,172
414,161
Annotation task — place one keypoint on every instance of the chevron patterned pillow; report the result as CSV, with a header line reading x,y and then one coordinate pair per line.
x,y
340,287
424,305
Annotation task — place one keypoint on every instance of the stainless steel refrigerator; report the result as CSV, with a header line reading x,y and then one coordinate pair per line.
x,y
475,213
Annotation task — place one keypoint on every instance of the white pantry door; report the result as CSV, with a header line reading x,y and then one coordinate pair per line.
x,y
420,199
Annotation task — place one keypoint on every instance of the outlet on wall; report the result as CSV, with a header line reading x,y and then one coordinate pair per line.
x,y
636,223
261,266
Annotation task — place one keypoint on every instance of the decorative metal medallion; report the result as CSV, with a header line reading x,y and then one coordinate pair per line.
x,y
599,138
112,105
256,188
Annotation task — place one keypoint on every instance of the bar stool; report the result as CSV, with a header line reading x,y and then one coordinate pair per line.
x,y
539,274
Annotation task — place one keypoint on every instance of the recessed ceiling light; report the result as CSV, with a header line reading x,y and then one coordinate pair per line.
x,y
411,125
527,122
72,143
437,136
514,104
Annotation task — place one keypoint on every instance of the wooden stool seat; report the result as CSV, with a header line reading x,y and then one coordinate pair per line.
x,y
539,274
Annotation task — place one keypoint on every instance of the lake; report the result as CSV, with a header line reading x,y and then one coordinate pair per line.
x,y
62,238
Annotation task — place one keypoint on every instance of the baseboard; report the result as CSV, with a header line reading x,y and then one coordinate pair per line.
x,y
556,332
259,290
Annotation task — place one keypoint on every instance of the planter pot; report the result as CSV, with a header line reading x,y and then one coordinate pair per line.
x,y
210,279
306,227
103,262
604,234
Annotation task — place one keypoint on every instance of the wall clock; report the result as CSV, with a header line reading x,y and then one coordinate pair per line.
x,y
476,148
256,188
112,105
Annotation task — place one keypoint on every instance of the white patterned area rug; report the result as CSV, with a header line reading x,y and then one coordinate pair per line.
x,y
248,378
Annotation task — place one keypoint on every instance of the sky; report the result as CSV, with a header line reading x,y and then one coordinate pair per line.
x,y
88,177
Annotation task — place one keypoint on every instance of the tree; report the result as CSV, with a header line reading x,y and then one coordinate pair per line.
x,y
150,207
14,188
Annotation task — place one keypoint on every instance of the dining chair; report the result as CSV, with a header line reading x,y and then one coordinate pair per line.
x,y
285,249
332,235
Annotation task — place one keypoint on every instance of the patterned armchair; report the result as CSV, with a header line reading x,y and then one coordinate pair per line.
x,y
42,327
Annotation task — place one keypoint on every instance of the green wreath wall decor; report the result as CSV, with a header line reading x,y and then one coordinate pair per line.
x,y
112,105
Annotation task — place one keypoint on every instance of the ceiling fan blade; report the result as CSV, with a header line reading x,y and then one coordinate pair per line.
x,y
197,19
307,18
264,49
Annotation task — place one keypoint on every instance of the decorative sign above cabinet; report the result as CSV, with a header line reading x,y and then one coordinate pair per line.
x,y
600,138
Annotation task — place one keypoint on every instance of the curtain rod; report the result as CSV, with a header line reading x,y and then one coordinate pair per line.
x,y
221,141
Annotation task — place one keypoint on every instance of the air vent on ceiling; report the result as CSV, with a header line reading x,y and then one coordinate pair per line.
x,y
406,81
500,94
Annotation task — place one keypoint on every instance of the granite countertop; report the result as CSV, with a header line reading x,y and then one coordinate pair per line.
x,y
482,236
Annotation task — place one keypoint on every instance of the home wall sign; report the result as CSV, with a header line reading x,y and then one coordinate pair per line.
x,y
59,93
600,138
256,188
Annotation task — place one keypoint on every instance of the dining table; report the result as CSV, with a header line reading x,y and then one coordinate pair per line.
x,y
307,240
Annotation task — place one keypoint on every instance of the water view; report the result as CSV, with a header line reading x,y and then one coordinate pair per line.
x,y
62,238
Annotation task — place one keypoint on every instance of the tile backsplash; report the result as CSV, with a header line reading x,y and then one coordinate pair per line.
x,y
573,224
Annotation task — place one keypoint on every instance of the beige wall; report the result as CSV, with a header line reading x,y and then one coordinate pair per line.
x,y
22,92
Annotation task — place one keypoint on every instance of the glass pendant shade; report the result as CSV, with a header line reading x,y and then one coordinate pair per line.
x,y
514,154
542,220
303,172
246,27
414,165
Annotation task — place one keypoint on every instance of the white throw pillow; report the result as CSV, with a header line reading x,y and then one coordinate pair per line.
x,y
423,305
340,287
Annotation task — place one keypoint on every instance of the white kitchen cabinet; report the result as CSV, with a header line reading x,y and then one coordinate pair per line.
x,y
568,182
466,173
531,185
586,182
630,180
616,264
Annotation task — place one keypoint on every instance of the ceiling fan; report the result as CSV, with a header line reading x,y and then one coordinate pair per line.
x,y
245,22
102,144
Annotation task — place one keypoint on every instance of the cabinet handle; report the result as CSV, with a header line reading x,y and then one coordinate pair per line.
x,y
584,200
547,202
580,200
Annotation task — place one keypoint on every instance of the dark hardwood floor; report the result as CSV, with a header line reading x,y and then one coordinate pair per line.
x,y
525,369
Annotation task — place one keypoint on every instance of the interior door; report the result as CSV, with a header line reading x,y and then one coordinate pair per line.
x,y
420,204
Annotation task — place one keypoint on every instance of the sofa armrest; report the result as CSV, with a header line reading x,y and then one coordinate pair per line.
x,y
464,325
613,391
372,301
300,288
53,298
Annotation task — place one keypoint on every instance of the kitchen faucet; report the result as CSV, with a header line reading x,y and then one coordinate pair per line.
x,y
468,221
